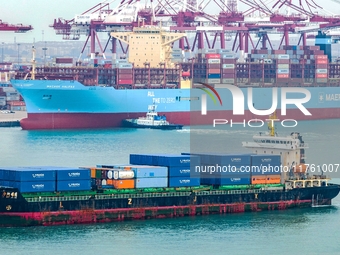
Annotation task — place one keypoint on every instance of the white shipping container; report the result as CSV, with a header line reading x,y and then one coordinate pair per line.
x,y
2,103
321,71
283,71
13,98
121,61
228,56
228,66
176,51
283,56
8,89
209,51
214,61
176,55
123,174
3,98
213,81
125,66
283,66
228,81
8,94
224,51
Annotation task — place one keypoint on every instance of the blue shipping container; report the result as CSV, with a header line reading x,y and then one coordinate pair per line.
x,y
257,160
214,76
31,174
1,174
232,181
144,171
163,160
36,186
184,182
73,174
74,185
181,171
225,159
142,183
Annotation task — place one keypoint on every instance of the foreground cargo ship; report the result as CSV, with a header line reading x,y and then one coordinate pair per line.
x,y
160,186
154,73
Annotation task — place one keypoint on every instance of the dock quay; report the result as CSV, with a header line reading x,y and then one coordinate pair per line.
x,y
11,119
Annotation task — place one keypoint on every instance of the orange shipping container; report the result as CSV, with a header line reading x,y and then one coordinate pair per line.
x,y
282,76
320,56
124,184
273,179
321,61
93,172
321,75
212,56
210,71
258,179
109,182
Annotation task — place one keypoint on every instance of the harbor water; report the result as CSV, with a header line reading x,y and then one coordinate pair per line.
x,y
303,231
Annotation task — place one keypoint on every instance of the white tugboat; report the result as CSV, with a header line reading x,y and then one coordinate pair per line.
x,y
151,120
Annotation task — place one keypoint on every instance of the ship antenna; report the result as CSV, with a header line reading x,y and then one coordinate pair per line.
x,y
33,64
271,125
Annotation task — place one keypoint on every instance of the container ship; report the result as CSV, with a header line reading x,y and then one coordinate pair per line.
x,y
105,94
162,185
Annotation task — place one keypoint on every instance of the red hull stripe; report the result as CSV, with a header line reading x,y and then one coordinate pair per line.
x,y
107,120
108,215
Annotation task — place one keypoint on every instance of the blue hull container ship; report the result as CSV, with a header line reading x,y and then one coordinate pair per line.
x,y
105,95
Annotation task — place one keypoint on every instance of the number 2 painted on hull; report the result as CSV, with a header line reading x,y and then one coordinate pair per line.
x,y
129,201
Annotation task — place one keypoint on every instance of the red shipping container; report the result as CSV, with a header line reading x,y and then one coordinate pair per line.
x,y
321,61
125,71
214,71
212,56
321,75
228,75
320,57
16,103
283,61
228,61
321,66
214,66
228,70
123,82
125,76
283,76
64,60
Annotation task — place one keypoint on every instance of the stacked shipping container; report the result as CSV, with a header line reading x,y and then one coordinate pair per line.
x,y
45,179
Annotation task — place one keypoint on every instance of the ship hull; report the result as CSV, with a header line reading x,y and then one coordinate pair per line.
x,y
36,121
71,105
57,211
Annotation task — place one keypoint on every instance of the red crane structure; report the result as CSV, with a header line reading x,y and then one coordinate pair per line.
x,y
260,18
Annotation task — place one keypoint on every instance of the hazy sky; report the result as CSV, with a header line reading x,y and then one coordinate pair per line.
x,y
41,13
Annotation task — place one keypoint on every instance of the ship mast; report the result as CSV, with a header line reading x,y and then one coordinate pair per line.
x,y
271,125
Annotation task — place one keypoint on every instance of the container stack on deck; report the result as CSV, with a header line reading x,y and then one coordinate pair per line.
x,y
45,179
266,171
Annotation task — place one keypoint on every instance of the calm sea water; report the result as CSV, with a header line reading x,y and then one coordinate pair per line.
x,y
302,231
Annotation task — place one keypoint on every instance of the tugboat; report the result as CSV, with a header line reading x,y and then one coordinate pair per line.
x,y
151,120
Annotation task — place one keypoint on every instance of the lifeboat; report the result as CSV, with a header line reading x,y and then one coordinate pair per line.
x,y
301,168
